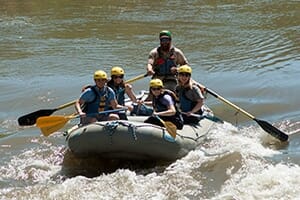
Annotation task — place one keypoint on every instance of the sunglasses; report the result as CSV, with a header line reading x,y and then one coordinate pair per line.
x,y
165,40
115,77
155,88
184,74
101,79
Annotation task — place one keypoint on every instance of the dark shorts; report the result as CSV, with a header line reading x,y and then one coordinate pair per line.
x,y
123,116
174,119
190,119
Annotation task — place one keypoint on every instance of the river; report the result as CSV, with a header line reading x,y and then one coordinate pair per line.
x,y
246,51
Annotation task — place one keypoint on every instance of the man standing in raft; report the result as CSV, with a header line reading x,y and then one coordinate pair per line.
x,y
164,60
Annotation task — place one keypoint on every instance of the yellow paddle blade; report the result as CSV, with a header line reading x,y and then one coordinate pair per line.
x,y
48,130
50,124
171,128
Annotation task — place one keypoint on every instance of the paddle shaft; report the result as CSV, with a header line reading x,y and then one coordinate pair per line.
x,y
102,112
136,78
162,121
210,117
229,103
263,124
65,105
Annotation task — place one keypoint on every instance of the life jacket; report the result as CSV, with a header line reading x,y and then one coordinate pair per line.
x,y
186,103
119,91
157,102
99,103
162,66
202,89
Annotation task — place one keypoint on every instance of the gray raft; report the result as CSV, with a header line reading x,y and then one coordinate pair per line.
x,y
135,140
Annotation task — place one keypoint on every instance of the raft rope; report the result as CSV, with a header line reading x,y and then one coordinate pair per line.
x,y
112,126
131,128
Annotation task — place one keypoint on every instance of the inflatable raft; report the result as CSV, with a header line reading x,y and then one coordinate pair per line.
x,y
135,140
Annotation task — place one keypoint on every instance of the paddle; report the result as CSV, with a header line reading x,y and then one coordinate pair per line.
x,y
30,119
136,78
210,117
263,124
171,128
50,124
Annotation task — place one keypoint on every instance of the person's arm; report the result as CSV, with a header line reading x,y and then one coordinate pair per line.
x,y
151,59
199,98
197,107
114,104
129,92
147,103
85,97
171,107
113,101
170,112
78,104
150,70
181,59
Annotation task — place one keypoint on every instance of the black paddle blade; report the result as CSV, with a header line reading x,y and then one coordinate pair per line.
x,y
272,130
30,119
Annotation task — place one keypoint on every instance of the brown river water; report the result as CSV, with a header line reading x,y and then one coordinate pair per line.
x,y
246,51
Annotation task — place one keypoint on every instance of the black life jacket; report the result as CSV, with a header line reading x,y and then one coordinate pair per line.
x,y
157,102
119,91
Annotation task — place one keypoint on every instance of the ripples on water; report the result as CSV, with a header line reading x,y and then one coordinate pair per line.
x,y
246,51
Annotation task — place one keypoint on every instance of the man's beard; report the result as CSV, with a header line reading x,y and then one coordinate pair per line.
x,y
165,47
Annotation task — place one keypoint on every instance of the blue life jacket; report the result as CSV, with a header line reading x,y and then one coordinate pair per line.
x,y
100,103
186,105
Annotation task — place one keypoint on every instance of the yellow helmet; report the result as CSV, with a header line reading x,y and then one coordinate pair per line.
x,y
116,71
100,74
156,83
185,69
